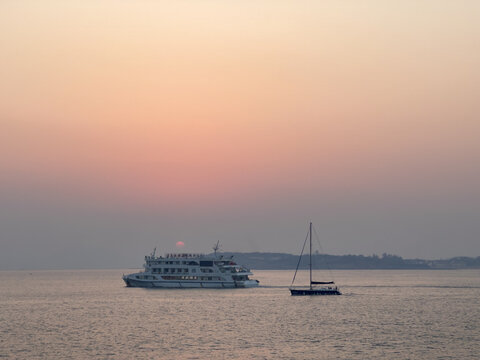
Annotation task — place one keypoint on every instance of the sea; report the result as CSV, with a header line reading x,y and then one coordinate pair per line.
x,y
387,314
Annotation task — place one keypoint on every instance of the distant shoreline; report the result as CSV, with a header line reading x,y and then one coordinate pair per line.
x,y
282,261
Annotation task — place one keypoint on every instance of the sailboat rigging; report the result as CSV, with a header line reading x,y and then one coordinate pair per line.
x,y
326,288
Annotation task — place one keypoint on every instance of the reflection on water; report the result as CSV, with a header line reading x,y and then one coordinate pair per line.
x,y
393,314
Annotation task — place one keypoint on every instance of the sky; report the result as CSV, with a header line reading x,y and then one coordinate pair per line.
x,y
128,125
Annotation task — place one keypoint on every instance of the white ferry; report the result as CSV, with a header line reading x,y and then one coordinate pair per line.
x,y
191,271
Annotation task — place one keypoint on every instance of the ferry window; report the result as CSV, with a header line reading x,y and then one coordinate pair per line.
x,y
194,270
206,263
185,270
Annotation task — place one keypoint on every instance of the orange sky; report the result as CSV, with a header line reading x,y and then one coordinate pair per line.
x,y
184,102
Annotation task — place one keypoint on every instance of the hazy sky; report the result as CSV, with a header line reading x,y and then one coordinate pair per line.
x,y
126,125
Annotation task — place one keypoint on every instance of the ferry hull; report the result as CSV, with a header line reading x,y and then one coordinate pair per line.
x,y
162,284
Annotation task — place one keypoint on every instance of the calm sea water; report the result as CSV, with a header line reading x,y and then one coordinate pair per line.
x,y
84,314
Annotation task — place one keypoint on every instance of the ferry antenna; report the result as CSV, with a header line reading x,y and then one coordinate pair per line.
x,y
216,247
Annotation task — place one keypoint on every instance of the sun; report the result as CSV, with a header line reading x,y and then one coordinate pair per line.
x,y
180,244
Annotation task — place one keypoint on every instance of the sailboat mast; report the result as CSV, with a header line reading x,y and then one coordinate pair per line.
x,y
310,255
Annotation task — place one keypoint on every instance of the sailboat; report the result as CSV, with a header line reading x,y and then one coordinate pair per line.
x,y
316,287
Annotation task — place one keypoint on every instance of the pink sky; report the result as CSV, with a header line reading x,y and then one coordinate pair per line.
x,y
238,104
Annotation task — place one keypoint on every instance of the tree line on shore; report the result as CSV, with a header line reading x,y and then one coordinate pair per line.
x,y
282,261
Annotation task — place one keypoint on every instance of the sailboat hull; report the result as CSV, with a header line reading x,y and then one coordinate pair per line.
x,y
310,292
